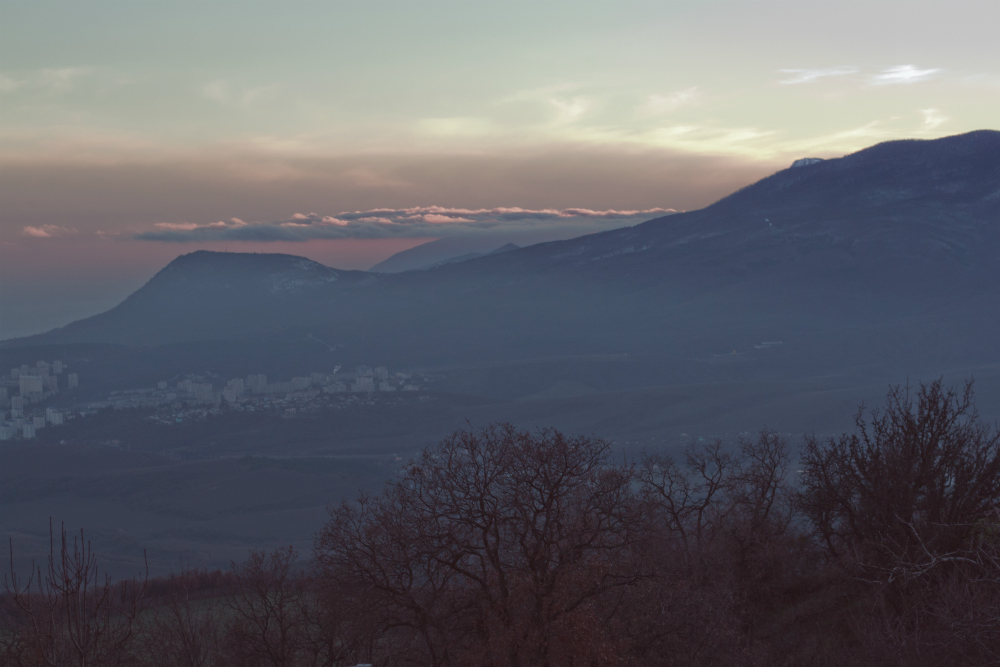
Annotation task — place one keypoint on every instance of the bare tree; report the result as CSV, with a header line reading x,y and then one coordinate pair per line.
x,y
954,621
907,507
917,475
688,499
274,617
185,630
722,523
68,614
498,547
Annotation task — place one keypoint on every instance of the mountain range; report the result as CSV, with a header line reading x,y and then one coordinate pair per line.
x,y
887,259
782,305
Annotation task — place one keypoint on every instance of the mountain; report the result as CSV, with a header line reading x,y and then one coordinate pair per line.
x,y
442,251
211,295
888,258
916,203
433,253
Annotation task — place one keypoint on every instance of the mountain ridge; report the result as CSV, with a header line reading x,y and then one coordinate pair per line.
x,y
895,229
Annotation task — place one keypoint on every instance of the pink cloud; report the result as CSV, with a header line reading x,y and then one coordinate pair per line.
x,y
413,222
46,231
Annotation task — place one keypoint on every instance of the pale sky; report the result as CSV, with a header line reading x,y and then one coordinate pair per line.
x,y
134,131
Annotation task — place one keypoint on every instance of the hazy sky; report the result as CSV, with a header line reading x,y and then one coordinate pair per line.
x,y
134,131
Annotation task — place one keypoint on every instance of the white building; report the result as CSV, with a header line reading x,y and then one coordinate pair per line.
x,y
17,403
53,416
72,381
28,431
301,383
237,385
30,384
256,384
6,431
381,373
386,386
57,367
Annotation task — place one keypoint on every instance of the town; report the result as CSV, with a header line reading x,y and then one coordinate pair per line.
x,y
33,385
25,390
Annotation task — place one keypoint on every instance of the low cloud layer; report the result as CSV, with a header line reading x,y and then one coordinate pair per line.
x,y
417,222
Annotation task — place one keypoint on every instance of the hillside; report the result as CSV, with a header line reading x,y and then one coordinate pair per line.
x,y
886,258
210,295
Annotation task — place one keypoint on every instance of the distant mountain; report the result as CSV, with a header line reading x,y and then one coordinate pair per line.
x,y
912,203
212,295
442,251
504,248
888,257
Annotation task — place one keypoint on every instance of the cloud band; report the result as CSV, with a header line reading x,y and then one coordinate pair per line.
x,y
428,221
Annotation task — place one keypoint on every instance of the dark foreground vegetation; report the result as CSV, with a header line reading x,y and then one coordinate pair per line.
x,y
503,547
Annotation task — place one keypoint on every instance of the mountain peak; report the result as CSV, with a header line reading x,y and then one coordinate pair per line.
x,y
206,295
274,272
962,169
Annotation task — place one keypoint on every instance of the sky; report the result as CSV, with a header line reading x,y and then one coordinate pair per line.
x,y
135,131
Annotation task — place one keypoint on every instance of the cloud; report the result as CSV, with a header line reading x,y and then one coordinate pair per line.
x,y
416,222
230,95
61,79
542,92
8,84
798,76
933,119
710,140
55,80
891,75
46,231
659,104
903,74
571,109
454,127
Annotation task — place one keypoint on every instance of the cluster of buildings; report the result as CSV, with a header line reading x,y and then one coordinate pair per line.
x,y
365,379
198,392
194,396
24,389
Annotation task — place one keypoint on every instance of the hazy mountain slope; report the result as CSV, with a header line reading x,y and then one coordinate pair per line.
x,y
209,295
887,257
442,251
887,254
434,252
932,202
